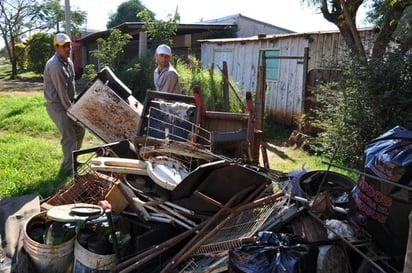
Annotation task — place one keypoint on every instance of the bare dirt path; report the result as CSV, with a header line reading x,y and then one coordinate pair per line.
x,y
23,87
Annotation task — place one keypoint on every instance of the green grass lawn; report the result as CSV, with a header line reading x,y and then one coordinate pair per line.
x,y
30,151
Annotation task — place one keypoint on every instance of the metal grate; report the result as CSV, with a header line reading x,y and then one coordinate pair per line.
x,y
206,264
239,229
231,231
175,126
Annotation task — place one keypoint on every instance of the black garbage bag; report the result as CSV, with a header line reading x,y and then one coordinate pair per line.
x,y
252,258
274,253
295,259
382,207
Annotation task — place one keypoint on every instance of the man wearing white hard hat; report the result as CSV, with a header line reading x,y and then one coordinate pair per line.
x,y
59,92
165,75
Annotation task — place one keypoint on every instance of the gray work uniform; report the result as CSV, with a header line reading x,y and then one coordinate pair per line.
x,y
59,92
167,80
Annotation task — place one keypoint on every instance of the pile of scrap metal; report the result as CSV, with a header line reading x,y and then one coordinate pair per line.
x,y
185,209
178,196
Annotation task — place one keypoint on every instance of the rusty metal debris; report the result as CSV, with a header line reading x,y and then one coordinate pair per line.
x,y
196,220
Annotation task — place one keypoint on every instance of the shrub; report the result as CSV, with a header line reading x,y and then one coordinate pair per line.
x,y
370,100
40,49
21,53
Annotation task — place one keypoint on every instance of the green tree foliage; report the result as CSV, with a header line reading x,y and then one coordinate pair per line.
x,y
159,31
53,15
343,15
22,56
395,16
40,49
127,12
89,73
110,49
388,13
20,18
137,74
374,94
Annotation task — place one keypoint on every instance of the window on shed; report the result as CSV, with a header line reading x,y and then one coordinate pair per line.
x,y
272,63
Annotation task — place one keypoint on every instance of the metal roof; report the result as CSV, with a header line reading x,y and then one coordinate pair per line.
x,y
134,28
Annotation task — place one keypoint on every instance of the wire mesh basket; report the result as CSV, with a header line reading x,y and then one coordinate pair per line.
x,y
87,185
86,188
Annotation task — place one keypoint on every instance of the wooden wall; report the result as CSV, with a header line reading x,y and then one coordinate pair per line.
x,y
285,97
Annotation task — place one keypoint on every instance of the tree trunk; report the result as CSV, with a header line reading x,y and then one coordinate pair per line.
x,y
388,27
343,15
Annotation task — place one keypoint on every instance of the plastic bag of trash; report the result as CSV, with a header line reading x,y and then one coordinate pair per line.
x,y
274,252
378,203
252,258
295,259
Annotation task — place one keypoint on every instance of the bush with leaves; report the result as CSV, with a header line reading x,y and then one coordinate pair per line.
x,y
21,52
137,74
210,82
89,73
370,100
110,49
40,49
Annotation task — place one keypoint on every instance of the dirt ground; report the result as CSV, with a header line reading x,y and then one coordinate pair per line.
x,y
17,86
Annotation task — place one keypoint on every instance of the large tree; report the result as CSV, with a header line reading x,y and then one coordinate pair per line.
x,y
54,15
127,12
374,92
342,13
394,19
160,31
19,18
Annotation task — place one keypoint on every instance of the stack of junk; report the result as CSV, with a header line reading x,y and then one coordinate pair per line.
x,y
175,188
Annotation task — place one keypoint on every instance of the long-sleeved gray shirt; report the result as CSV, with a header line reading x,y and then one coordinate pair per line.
x,y
167,80
59,85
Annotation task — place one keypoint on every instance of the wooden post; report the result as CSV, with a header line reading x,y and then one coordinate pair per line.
x,y
260,94
250,126
225,87
212,87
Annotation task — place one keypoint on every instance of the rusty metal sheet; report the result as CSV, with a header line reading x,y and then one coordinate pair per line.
x,y
106,114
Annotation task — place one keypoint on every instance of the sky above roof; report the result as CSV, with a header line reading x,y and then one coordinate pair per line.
x,y
290,14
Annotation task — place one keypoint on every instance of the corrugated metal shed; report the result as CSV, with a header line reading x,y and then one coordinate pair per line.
x,y
248,26
285,96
